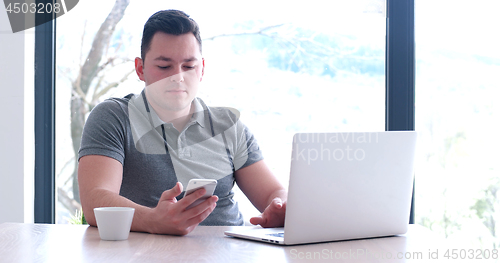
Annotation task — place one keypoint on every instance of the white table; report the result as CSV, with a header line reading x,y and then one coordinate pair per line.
x,y
71,243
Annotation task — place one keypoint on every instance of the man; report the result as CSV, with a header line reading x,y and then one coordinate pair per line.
x,y
135,148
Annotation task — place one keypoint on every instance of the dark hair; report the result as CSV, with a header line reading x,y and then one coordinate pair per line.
x,y
172,22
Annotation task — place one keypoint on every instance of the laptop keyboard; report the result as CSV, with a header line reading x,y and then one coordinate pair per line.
x,y
282,234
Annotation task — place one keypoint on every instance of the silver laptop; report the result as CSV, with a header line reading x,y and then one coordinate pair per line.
x,y
345,186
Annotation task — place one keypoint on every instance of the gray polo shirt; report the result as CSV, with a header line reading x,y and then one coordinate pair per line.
x,y
155,155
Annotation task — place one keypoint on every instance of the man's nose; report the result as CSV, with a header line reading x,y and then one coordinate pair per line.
x,y
177,77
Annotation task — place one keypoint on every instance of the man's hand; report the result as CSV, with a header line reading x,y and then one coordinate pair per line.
x,y
171,217
273,215
265,192
100,179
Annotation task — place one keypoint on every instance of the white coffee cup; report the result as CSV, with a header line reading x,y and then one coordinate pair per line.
x,y
114,223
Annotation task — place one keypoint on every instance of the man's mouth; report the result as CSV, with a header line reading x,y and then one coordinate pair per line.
x,y
176,91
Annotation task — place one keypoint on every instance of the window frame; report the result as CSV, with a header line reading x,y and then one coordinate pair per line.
x,y
400,71
45,68
400,96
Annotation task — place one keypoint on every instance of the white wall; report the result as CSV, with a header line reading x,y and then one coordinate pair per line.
x,y
16,159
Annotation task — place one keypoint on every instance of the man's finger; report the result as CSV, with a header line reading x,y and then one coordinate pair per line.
x,y
200,215
277,201
170,194
195,195
257,220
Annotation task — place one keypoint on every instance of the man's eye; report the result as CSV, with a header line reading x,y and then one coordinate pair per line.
x,y
189,67
165,67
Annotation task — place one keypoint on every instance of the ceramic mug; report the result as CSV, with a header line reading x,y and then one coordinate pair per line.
x,y
114,223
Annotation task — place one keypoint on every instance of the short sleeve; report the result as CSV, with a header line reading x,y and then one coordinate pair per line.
x,y
104,131
248,150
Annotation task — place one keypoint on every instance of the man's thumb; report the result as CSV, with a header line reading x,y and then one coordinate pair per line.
x,y
172,193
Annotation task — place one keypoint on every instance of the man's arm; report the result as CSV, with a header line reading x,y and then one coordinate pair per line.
x,y
100,178
265,192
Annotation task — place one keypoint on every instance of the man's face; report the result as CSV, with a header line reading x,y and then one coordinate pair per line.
x,y
172,69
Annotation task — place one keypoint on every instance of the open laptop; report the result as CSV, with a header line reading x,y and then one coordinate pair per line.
x,y
345,186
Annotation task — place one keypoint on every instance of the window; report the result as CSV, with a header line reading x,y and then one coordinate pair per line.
x,y
456,117
286,68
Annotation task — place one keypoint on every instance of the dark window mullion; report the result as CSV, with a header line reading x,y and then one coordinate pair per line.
x,y
44,120
400,70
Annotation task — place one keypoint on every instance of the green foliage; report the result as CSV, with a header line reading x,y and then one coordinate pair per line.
x,y
78,218
488,206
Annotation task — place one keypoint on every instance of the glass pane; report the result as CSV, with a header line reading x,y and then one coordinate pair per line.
x,y
286,68
457,174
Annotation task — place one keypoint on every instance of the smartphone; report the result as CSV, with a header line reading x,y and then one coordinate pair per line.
x,y
195,184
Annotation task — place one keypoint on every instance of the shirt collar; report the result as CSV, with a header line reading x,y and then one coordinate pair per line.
x,y
199,113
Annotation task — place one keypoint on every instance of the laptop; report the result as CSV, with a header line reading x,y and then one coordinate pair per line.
x,y
345,186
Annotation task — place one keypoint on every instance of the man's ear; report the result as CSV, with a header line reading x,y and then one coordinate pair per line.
x,y
139,68
202,68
